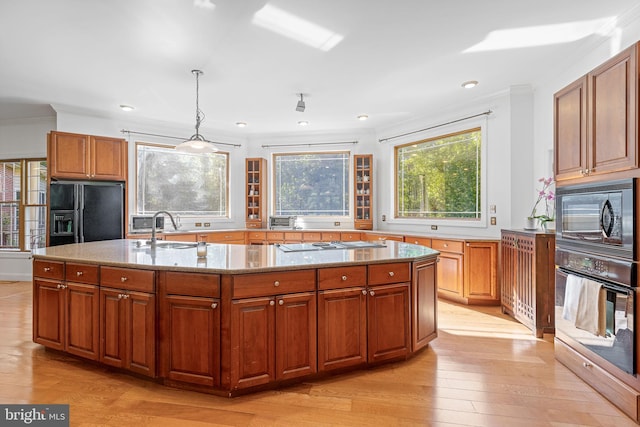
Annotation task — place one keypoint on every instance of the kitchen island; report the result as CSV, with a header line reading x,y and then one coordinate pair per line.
x,y
241,319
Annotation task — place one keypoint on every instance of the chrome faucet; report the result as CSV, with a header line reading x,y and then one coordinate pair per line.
x,y
153,226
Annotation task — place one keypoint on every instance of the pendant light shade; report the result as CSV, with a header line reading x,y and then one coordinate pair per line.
x,y
197,143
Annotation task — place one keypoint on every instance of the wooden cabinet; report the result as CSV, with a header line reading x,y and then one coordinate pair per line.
x,y
423,304
595,121
65,312
418,240
468,271
228,237
373,237
76,156
528,280
363,188
255,193
190,302
273,328
128,319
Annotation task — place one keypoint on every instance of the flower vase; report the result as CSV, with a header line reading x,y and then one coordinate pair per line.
x,y
530,224
549,226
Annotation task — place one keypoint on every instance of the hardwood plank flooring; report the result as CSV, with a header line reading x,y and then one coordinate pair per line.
x,y
484,369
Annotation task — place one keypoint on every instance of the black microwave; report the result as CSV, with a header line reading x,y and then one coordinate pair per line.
x,y
598,218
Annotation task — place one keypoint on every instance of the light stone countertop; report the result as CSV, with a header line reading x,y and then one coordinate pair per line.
x,y
228,258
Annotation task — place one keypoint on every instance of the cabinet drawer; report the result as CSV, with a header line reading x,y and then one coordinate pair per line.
x,y
623,396
179,237
257,235
380,274
228,236
349,237
416,240
192,284
48,269
127,278
311,236
342,277
82,273
447,245
264,284
275,236
293,236
330,237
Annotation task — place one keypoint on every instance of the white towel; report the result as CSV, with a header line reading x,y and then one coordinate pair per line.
x,y
572,290
591,311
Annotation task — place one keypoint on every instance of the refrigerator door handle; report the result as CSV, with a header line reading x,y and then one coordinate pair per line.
x,y
79,214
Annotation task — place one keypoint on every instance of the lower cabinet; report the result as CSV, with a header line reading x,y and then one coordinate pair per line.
x,y
190,327
128,320
388,322
423,304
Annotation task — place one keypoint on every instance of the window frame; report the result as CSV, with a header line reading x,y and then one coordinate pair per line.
x,y
442,132
349,187
136,210
23,205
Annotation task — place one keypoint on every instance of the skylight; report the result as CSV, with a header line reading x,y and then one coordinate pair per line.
x,y
543,34
296,28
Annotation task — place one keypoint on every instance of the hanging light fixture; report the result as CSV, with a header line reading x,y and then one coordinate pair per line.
x,y
197,143
300,106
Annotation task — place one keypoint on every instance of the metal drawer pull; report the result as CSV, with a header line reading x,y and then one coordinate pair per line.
x,y
271,302
61,286
586,364
281,302
391,274
47,269
344,278
364,292
276,283
214,305
79,273
372,293
123,279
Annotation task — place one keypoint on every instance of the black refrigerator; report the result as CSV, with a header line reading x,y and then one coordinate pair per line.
x,y
83,211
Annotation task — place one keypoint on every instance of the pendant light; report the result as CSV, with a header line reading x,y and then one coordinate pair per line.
x,y
197,143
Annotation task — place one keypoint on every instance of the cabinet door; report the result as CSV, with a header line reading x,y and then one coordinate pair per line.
x,y
68,155
191,346
141,333
296,339
82,317
49,313
112,327
480,272
388,322
612,119
570,130
108,158
252,342
450,275
342,328
423,294
507,294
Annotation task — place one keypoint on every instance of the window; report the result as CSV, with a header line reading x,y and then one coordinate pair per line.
x,y
23,198
439,178
311,184
181,183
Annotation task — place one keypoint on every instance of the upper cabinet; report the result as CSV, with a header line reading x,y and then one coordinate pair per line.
x,y
75,156
363,199
255,193
595,122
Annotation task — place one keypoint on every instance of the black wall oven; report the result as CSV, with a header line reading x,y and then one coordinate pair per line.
x,y
596,270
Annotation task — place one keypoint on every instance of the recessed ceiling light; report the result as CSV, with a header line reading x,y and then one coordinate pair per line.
x,y
469,84
241,124
303,123
126,107
363,117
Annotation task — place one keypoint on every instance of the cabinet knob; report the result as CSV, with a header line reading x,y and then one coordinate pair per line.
x,y
446,245
60,286
47,269
272,303
79,273
280,302
391,274
120,296
364,292
372,293
123,279
214,305
586,364
276,283
125,296
344,278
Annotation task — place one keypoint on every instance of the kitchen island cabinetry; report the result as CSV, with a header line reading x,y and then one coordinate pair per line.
x,y
595,122
86,157
245,318
128,319
190,302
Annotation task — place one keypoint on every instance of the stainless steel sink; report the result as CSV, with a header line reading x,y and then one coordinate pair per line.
x,y
166,245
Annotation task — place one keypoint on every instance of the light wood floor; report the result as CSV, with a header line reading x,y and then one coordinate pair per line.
x,y
484,369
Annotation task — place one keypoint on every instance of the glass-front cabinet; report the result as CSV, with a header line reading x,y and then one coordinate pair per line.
x,y
256,201
363,189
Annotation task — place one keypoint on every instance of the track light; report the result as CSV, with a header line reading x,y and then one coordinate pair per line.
x,y
300,106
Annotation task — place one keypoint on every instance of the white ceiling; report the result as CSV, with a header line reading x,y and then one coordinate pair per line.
x,y
398,59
